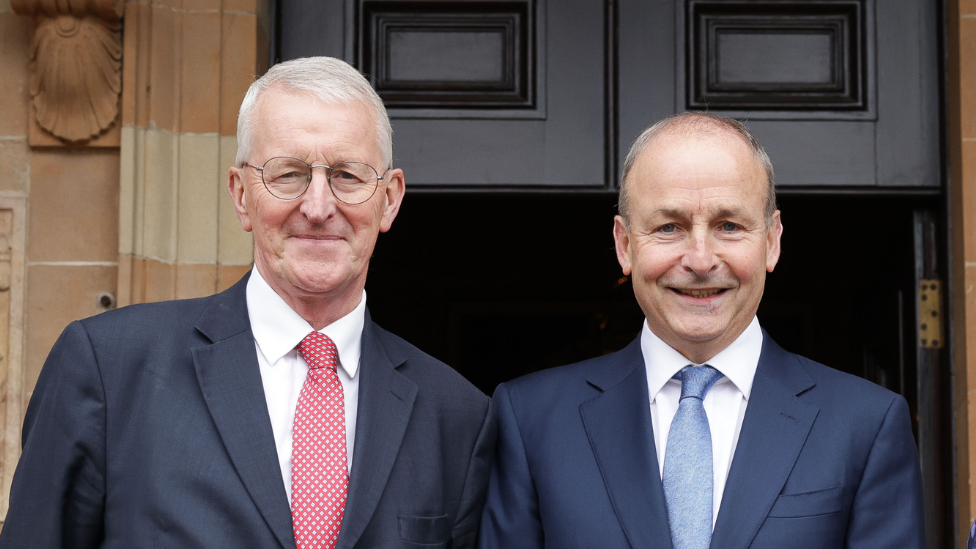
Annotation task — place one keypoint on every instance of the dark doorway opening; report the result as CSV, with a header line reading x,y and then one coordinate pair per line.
x,y
501,285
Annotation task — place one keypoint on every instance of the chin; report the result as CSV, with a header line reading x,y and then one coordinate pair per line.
x,y
700,334
317,284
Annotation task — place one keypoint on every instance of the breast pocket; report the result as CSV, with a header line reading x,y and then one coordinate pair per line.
x,y
424,532
809,504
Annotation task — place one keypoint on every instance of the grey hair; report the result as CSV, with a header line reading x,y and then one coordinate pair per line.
x,y
697,122
330,80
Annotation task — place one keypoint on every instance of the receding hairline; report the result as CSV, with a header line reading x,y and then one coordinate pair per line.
x,y
278,89
331,80
693,127
283,88
698,124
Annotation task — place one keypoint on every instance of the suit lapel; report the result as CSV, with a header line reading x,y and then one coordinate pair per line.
x,y
230,379
386,401
618,426
774,431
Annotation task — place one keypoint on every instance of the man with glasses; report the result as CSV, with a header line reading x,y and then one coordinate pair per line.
x,y
274,414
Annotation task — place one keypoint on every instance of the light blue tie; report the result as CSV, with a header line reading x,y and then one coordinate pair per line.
x,y
688,462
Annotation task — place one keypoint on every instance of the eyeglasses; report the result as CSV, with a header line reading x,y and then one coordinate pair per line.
x,y
288,178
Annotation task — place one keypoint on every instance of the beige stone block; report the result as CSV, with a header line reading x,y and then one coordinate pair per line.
x,y
131,39
14,56
13,234
967,76
241,6
238,66
201,5
74,208
123,292
234,245
139,194
164,80
969,201
57,295
160,281
137,286
137,64
228,275
200,82
159,222
969,288
967,7
201,187
195,280
129,158
14,165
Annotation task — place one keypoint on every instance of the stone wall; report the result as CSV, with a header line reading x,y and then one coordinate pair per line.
x,y
961,34
138,213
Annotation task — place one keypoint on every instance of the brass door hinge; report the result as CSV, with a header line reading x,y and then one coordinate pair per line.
x,y
930,313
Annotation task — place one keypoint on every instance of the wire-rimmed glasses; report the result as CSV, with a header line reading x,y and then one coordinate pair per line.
x,y
288,178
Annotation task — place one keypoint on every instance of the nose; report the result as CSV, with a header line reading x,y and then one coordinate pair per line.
x,y
318,202
700,257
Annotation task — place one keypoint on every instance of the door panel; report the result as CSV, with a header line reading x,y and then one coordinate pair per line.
x,y
506,94
843,93
516,94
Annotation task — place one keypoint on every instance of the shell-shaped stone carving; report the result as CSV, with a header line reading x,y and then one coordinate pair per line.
x,y
76,75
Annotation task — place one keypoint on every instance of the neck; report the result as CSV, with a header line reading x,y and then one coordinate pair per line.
x,y
319,309
319,314
700,352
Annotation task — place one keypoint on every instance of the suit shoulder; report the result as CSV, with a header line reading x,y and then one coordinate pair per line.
x,y
428,372
162,315
841,387
556,390
560,376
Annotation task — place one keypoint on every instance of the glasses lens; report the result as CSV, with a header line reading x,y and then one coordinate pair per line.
x,y
286,177
353,182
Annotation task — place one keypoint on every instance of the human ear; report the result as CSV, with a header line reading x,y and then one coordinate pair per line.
x,y
773,236
393,194
235,186
621,239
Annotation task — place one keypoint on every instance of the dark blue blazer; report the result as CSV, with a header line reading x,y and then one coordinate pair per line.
x,y
149,428
824,459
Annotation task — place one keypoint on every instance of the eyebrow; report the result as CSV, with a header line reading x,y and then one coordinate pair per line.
x,y
724,212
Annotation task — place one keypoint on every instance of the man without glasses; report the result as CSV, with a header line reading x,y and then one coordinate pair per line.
x,y
274,414
702,432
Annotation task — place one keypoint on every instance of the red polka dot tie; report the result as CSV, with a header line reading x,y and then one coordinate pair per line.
x,y
319,477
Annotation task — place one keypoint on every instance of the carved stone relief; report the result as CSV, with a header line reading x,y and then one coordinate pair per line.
x,y
75,66
12,238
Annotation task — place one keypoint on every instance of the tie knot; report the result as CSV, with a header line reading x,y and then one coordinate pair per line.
x,y
319,351
697,380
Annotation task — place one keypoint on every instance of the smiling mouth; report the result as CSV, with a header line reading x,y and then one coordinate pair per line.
x,y
699,293
317,237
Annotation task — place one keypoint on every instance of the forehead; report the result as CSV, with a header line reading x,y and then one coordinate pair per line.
x,y
696,173
287,118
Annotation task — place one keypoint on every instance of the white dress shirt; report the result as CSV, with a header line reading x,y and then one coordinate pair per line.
x,y
278,330
725,403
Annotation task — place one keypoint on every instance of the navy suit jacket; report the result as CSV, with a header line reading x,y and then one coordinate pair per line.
x,y
149,428
823,460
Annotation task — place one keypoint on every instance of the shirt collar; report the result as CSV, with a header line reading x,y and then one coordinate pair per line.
x,y
278,329
737,362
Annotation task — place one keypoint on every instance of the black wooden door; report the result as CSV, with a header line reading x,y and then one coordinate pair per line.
x,y
530,94
511,120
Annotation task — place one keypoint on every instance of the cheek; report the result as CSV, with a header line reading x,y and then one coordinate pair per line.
x,y
271,222
365,222
653,262
748,265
